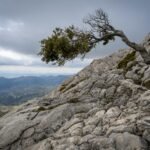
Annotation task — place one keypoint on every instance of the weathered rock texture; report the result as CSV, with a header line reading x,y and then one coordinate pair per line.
x,y
100,108
4,110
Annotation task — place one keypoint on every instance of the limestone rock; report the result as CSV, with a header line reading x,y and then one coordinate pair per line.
x,y
100,108
146,42
113,112
127,141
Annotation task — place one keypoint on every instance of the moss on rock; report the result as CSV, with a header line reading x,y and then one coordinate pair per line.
x,y
128,58
147,83
40,109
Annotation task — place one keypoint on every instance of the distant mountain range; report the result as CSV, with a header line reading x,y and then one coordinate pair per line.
x,y
17,90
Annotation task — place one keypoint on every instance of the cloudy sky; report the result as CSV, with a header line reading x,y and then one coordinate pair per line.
x,y
23,23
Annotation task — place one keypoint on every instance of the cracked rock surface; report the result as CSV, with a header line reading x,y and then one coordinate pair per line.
x,y
100,108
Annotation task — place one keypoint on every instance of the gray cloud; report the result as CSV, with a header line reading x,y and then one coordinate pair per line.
x,y
24,23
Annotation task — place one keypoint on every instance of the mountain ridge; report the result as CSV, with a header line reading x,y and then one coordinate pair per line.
x,y
17,90
103,107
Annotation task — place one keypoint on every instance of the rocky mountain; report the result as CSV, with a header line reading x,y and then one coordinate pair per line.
x,y
106,106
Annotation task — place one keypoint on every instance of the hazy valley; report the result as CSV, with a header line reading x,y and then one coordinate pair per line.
x,y
20,89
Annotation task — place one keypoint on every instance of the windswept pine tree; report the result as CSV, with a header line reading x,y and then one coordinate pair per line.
x,y
66,44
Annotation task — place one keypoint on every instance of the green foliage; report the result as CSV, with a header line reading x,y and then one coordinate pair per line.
x,y
65,45
128,58
107,39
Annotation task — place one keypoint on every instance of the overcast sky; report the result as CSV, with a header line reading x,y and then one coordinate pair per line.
x,y
23,23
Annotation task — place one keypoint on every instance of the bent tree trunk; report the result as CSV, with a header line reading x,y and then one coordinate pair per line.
x,y
137,47
145,55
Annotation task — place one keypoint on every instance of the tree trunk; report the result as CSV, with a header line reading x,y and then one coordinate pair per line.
x,y
137,47
145,55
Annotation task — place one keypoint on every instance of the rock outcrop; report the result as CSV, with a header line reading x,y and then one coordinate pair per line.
x,y
4,110
103,107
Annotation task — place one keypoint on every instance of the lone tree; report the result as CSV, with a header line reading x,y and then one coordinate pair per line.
x,y
66,44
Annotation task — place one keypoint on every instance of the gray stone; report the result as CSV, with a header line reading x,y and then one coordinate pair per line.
x,y
88,129
127,141
113,112
101,107
146,43
146,134
74,140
